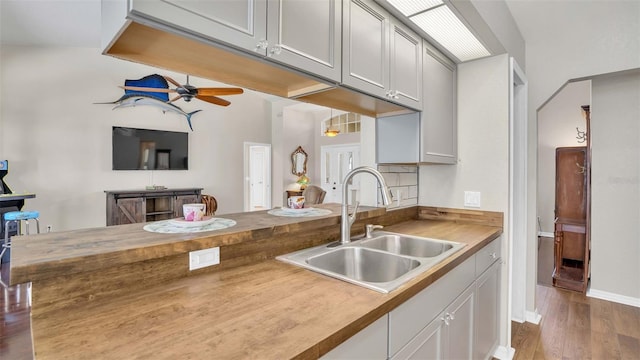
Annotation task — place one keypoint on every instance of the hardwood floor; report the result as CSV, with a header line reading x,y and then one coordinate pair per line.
x,y
574,326
15,322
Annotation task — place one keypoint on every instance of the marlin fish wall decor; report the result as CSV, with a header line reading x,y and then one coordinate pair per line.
x,y
154,90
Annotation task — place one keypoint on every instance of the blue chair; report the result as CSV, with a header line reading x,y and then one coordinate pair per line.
x,y
17,216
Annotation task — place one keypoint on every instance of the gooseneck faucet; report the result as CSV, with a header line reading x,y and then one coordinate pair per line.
x,y
347,220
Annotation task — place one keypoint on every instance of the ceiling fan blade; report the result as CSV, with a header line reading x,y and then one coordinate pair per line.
x,y
176,98
147,89
177,84
219,91
214,100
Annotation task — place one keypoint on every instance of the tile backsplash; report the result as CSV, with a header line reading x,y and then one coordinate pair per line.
x,y
402,180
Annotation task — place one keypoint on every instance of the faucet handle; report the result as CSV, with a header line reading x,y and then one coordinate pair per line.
x,y
368,229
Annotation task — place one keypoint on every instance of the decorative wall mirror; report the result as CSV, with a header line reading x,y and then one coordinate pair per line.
x,y
299,162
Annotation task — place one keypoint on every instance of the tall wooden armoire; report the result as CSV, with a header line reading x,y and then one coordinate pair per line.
x,y
572,245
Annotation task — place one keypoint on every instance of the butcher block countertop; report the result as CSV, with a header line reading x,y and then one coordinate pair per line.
x,y
265,309
62,253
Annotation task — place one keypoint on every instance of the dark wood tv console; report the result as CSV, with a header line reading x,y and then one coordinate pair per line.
x,y
138,206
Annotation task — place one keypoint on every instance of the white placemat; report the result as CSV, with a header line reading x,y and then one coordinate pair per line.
x,y
174,227
304,212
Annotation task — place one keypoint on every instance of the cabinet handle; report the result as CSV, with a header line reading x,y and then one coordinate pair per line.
x,y
275,50
493,255
452,316
394,94
261,45
445,319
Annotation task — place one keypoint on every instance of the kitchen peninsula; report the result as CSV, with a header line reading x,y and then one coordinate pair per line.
x,y
123,292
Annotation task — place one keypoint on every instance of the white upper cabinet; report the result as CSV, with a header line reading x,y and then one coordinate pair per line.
x,y
303,34
406,66
380,56
239,23
306,35
439,124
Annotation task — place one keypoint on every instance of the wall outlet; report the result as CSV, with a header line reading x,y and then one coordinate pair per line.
x,y
472,199
203,258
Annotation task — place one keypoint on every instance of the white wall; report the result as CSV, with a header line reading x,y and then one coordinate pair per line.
x,y
557,122
590,44
615,193
483,154
58,142
499,20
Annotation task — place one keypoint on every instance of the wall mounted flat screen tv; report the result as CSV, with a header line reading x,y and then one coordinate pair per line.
x,y
145,149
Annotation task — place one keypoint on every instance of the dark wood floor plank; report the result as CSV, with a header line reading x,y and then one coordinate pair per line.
x,y
602,316
604,345
577,344
553,327
629,347
627,320
15,320
525,340
579,316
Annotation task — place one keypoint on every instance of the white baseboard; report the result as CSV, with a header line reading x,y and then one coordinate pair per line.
x,y
504,353
617,298
532,317
545,234
529,316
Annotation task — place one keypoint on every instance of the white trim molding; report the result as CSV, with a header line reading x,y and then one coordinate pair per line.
x,y
617,298
533,317
545,234
504,353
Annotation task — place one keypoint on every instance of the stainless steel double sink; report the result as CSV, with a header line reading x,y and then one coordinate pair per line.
x,y
382,263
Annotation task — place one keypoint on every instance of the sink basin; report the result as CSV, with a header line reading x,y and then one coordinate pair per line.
x,y
364,265
408,245
382,263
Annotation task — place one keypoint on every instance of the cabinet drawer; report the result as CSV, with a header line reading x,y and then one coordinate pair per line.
x,y
407,320
488,255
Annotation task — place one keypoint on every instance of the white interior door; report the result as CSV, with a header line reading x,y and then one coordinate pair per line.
x,y
336,161
258,178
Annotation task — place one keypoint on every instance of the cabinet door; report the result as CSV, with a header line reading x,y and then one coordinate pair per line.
x,y
181,200
370,343
487,310
405,57
439,122
460,327
240,23
306,35
128,211
428,344
365,47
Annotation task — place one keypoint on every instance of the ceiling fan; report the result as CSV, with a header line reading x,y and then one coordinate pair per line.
x,y
186,91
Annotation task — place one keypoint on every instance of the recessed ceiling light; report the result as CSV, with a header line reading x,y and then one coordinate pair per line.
x,y
438,21
411,7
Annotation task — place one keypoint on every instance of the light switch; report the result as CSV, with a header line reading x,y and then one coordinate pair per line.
x,y
472,199
203,258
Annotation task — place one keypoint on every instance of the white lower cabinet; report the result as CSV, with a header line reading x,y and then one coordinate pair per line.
x,y
487,312
369,344
456,317
449,336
